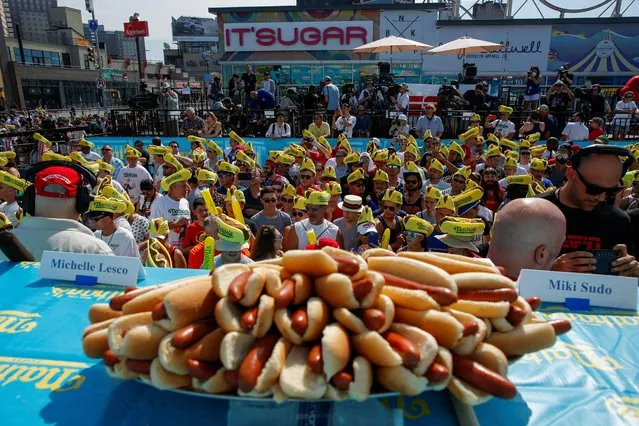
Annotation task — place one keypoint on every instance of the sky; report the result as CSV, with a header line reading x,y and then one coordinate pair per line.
x,y
112,13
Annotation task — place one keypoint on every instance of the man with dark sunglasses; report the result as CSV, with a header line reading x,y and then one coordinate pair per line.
x,y
271,215
593,222
297,237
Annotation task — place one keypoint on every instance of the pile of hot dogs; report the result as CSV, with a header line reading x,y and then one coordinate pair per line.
x,y
325,324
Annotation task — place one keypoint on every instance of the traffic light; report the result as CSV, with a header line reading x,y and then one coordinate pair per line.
x,y
91,54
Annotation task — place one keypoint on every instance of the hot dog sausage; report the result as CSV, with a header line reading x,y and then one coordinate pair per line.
x,y
404,347
515,315
129,289
373,319
342,380
202,370
314,359
249,318
496,295
159,312
436,372
252,365
285,294
482,378
534,302
345,264
441,295
561,326
139,366
299,321
237,288
109,358
232,377
362,288
470,328
117,303
186,336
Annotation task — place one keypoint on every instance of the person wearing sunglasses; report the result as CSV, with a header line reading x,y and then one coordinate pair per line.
x,y
416,233
272,178
297,237
429,201
537,170
307,178
393,168
271,215
337,162
389,219
458,183
412,197
107,157
592,221
435,173
298,207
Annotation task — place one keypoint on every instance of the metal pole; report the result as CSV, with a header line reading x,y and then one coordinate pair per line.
x,y
140,70
99,57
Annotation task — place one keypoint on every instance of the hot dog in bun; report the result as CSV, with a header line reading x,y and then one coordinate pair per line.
x,y
256,320
302,323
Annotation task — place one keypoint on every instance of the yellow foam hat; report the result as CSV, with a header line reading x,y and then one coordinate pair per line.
x,y
393,196
455,147
235,137
322,140
513,154
366,216
130,152
46,142
460,227
241,156
85,143
468,199
538,164
355,176
196,139
212,146
109,191
381,175
204,175
444,151
93,166
234,192
300,203
307,135
173,162
411,167
435,164
16,183
416,224
285,159
381,155
510,162
353,157
308,165
446,202
394,161
333,188
329,172
225,166
537,151
198,155
78,158
475,117
635,154
294,151
535,189
411,140
493,151
54,156
159,150
534,137
470,184
371,147
249,147
492,138
519,180
3,161
107,205
464,172
158,227
4,221
181,176
231,230
106,180
473,132
508,143
274,154
428,134
505,109
432,192
343,141
412,149
524,143
318,198
289,190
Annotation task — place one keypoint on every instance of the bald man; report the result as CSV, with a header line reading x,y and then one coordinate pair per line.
x,y
527,234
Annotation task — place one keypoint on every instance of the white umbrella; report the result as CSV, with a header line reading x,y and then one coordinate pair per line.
x,y
465,45
392,44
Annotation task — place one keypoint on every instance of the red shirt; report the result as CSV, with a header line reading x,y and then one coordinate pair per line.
x,y
196,256
301,190
594,134
191,234
468,153
336,214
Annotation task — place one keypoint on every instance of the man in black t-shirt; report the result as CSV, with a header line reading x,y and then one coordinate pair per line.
x,y
591,222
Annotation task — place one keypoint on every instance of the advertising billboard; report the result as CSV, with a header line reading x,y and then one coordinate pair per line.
x,y
136,29
189,28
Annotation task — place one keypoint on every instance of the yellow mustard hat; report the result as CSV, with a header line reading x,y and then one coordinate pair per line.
x,y
159,150
351,158
106,180
93,166
446,202
158,227
492,138
300,203
85,143
285,159
538,164
537,151
173,162
333,188
274,154
318,198
461,227
467,200
519,180
44,141
411,167
109,191
505,109
535,189
366,216
289,190
4,221
198,155
393,196
3,161
435,164
464,172
473,132
16,183
510,162
381,175
470,184
343,141
204,175
308,165
225,166
181,176
412,149
322,140
235,137
416,224
130,152
329,172
234,192
307,135
507,142
411,140
249,147
107,205
432,192
534,137
196,139
428,134
394,161
524,143
493,151
381,155
455,147
78,158
513,154
231,230
475,117
294,151
355,176
54,156
241,156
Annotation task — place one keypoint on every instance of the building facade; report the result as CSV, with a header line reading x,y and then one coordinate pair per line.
x,y
197,46
117,46
32,16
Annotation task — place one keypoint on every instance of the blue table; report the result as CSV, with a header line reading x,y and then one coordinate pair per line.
x,y
591,376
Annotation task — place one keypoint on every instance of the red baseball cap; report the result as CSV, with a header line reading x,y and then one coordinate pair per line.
x,y
57,182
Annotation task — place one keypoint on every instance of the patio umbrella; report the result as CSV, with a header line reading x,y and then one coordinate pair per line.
x,y
465,45
392,44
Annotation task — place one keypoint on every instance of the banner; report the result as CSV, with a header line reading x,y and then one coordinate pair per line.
x,y
189,28
526,45
291,36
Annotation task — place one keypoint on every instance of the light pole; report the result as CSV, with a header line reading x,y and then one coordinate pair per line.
x,y
89,7
136,18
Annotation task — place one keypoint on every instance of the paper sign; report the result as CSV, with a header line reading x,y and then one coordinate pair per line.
x,y
90,268
602,290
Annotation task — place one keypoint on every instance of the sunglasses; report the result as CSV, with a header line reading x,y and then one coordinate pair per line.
x,y
390,208
98,218
592,189
525,153
223,175
287,200
475,121
315,208
412,234
412,182
459,181
306,177
269,200
298,214
106,149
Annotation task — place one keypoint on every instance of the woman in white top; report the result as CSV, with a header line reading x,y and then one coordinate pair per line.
x,y
279,129
625,110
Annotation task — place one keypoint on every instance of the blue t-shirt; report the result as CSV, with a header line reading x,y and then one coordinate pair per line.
x,y
265,99
434,244
332,96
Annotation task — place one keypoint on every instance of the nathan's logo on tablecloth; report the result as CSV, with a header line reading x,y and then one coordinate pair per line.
x,y
96,293
583,353
626,407
413,408
43,374
13,322
595,317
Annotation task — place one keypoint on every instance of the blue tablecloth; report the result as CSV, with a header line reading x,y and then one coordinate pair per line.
x,y
591,376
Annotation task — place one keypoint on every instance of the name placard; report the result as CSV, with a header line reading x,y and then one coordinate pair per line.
x,y
602,290
90,268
